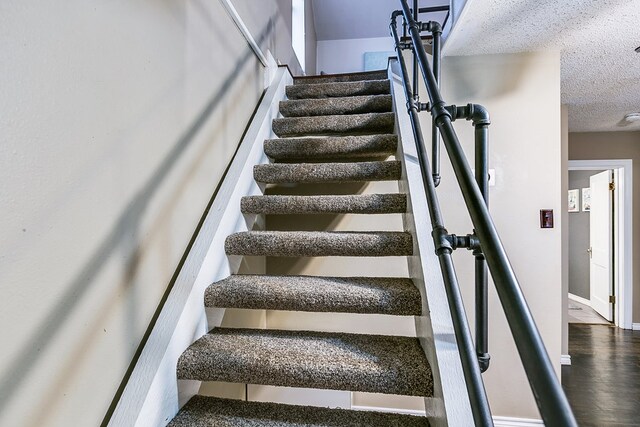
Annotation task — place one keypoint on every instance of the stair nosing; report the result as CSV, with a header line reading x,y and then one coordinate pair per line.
x,y
320,243
322,294
321,360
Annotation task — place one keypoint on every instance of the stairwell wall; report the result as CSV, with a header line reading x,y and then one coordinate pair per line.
x,y
522,94
118,121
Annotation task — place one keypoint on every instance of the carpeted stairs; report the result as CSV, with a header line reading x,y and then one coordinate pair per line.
x,y
336,128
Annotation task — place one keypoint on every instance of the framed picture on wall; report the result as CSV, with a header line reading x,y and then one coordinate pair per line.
x,y
574,200
586,199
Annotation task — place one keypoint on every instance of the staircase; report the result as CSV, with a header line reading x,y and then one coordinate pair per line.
x,y
335,129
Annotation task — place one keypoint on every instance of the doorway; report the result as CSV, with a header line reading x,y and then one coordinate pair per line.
x,y
600,268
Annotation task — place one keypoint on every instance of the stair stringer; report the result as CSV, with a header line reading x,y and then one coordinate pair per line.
x,y
152,395
450,405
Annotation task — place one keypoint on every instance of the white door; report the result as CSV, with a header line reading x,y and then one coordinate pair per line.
x,y
601,242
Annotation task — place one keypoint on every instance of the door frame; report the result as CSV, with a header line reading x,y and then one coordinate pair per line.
x,y
623,244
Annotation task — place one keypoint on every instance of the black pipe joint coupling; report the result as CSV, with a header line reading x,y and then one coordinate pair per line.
x,y
405,45
483,360
470,241
478,115
441,240
431,26
439,112
423,106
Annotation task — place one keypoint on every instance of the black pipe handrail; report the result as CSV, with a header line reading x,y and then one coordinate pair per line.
x,y
471,370
550,397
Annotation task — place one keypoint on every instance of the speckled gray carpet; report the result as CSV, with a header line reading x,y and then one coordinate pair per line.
x,y
334,90
337,78
381,295
280,173
326,360
355,204
336,133
333,106
319,243
203,411
349,124
332,147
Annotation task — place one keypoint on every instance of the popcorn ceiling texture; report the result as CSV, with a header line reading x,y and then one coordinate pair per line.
x,y
204,411
600,70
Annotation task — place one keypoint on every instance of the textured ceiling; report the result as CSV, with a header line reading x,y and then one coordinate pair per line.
x,y
596,38
358,19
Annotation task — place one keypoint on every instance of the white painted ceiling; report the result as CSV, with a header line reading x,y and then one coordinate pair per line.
x,y
356,19
596,38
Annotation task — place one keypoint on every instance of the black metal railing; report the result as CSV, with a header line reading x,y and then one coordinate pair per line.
x,y
484,241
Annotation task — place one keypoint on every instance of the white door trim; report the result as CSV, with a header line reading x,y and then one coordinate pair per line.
x,y
623,283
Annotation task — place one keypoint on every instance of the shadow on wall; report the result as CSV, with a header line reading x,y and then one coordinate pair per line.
x,y
123,238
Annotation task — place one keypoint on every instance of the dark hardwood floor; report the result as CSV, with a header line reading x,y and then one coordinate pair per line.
x,y
603,381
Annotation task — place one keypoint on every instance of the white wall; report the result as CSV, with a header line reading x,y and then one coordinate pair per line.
x,y
346,56
118,120
522,94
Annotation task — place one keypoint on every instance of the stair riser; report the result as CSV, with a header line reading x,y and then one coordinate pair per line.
x,y
326,107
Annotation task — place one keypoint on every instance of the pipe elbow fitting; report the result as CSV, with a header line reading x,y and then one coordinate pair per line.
x,y
435,27
478,114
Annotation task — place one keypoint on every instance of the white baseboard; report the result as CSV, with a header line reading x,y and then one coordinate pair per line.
x,y
516,422
391,410
565,359
581,300
635,326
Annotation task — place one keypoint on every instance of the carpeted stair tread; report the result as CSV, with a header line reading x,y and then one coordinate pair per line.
x,y
332,90
324,360
344,77
347,204
280,173
373,295
350,124
334,106
204,411
319,243
332,147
